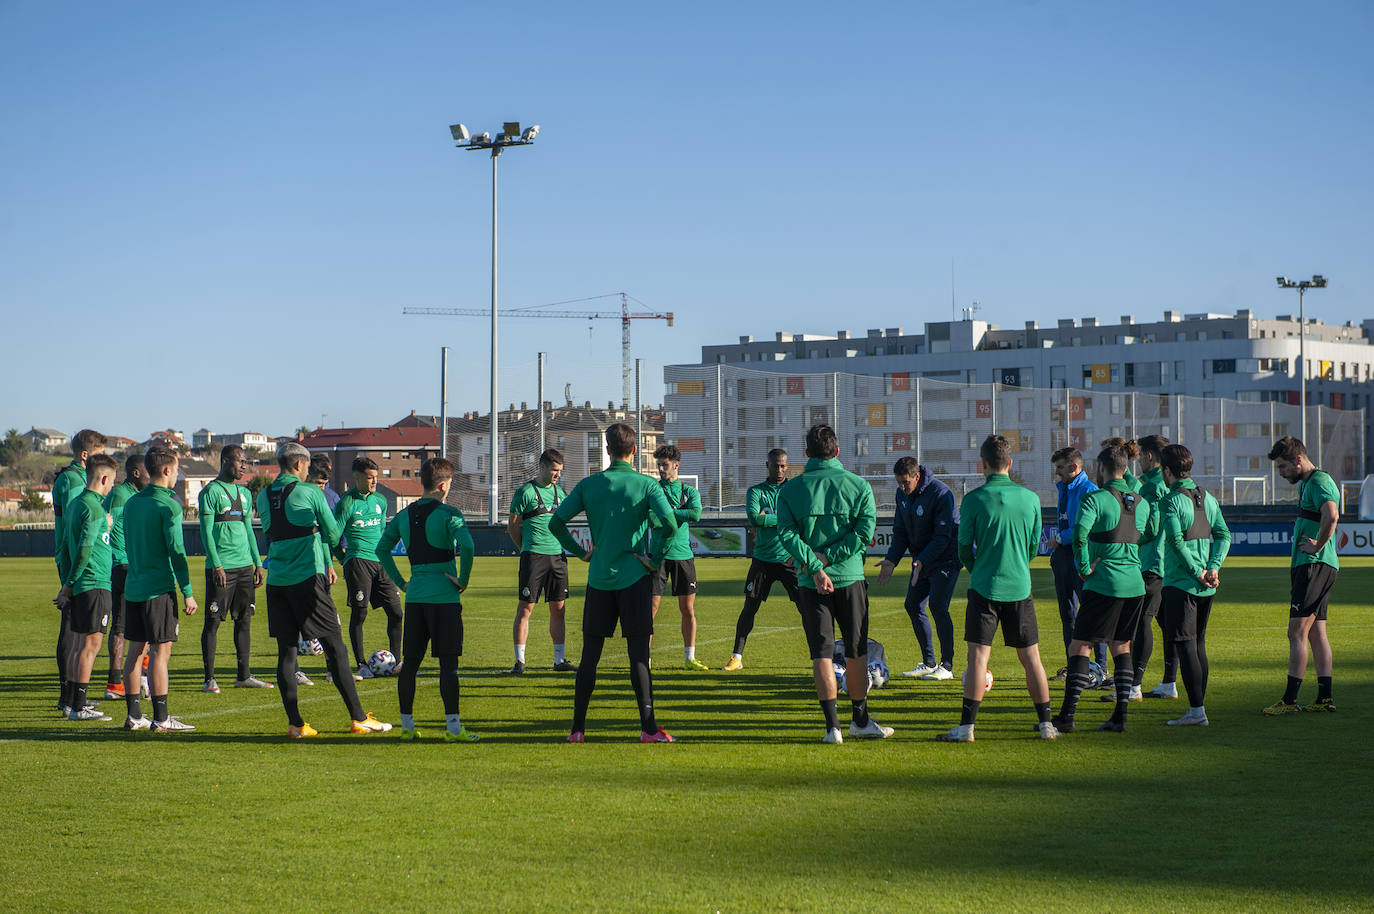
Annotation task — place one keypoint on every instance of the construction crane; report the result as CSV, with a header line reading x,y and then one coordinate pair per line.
x,y
625,315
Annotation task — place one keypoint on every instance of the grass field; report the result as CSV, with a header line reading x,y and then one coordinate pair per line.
x,y
747,812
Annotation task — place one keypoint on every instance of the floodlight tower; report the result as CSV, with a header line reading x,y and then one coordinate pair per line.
x,y
509,136
1316,282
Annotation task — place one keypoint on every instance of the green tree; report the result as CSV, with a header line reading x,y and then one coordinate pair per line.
x,y
32,501
12,447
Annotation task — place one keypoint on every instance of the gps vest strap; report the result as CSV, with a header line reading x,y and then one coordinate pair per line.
x,y
1309,514
279,528
1125,530
235,509
56,508
420,550
1200,529
542,508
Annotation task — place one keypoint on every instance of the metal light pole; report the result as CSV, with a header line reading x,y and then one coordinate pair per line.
x,y
443,402
510,136
1316,282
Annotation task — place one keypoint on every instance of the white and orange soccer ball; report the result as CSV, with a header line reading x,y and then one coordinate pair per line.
x,y
987,679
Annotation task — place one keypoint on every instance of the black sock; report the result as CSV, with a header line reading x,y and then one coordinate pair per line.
x,y
1123,677
67,693
1323,688
968,714
1290,696
159,708
1076,681
393,634
79,694
585,683
243,646
860,712
209,643
745,623
131,702
641,677
1042,711
448,683
1142,647
832,716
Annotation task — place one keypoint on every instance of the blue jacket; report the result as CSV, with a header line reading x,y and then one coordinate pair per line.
x,y
1070,495
926,524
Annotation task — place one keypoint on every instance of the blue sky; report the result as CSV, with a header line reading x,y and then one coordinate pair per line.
x,y
225,208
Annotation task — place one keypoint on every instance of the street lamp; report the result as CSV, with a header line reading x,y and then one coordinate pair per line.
x,y
509,136
1302,285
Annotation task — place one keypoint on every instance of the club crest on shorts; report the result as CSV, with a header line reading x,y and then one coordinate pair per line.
x,y
359,597
214,606
252,607
104,621
524,591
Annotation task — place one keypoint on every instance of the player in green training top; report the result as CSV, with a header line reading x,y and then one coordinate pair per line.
x,y
361,514
135,478
1313,574
1111,524
771,563
157,570
619,504
1195,542
826,521
999,536
233,568
66,488
1153,490
301,531
432,532
84,553
679,563
543,566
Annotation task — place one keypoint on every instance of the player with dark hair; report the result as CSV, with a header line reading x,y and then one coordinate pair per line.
x,y
1153,490
619,503
135,478
157,570
67,486
679,564
925,524
233,568
433,531
301,530
999,536
361,515
543,566
771,563
1111,524
83,557
1313,574
1131,447
1072,484
321,471
1196,540
826,519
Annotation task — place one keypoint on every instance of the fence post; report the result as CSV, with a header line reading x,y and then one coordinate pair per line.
x,y
1273,432
919,433
1319,434
1178,412
1221,462
992,413
720,442
1133,431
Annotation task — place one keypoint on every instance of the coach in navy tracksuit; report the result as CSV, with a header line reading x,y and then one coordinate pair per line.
x,y
1072,484
926,525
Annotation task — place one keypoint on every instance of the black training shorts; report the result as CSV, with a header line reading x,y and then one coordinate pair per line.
x,y
1182,615
543,576
683,573
367,582
759,582
847,607
1154,587
1311,588
152,621
1106,618
301,610
436,625
89,612
118,574
1016,617
632,608
235,599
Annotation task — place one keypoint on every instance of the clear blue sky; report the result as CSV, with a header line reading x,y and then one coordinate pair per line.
x,y
214,214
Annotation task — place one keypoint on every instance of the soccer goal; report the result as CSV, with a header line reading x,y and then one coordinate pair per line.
x,y
1249,490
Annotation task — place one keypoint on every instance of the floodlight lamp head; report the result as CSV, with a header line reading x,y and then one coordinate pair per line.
x,y
460,133
530,133
1319,282
1282,281
500,139
511,128
481,139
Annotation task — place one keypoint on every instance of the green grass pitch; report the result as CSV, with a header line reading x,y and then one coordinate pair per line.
x,y
747,812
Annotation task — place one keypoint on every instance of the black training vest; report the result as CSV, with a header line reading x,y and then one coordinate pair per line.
x,y
279,528
56,508
420,550
541,508
1201,529
1125,530
235,509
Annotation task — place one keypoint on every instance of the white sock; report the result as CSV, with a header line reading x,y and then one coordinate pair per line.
x,y
454,725
734,656
520,653
407,721
559,653
1198,711
689,652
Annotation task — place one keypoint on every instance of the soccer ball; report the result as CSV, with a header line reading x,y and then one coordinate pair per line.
x,y
878,675
1097,675
963,677
310,646
381,663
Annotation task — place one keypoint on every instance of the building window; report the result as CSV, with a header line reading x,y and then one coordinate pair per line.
x,y
405,474
1180,373
386,472
386,455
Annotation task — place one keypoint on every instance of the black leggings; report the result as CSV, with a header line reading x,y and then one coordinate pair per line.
x,y
1192,660
592,646
336,658
209,642
448,683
